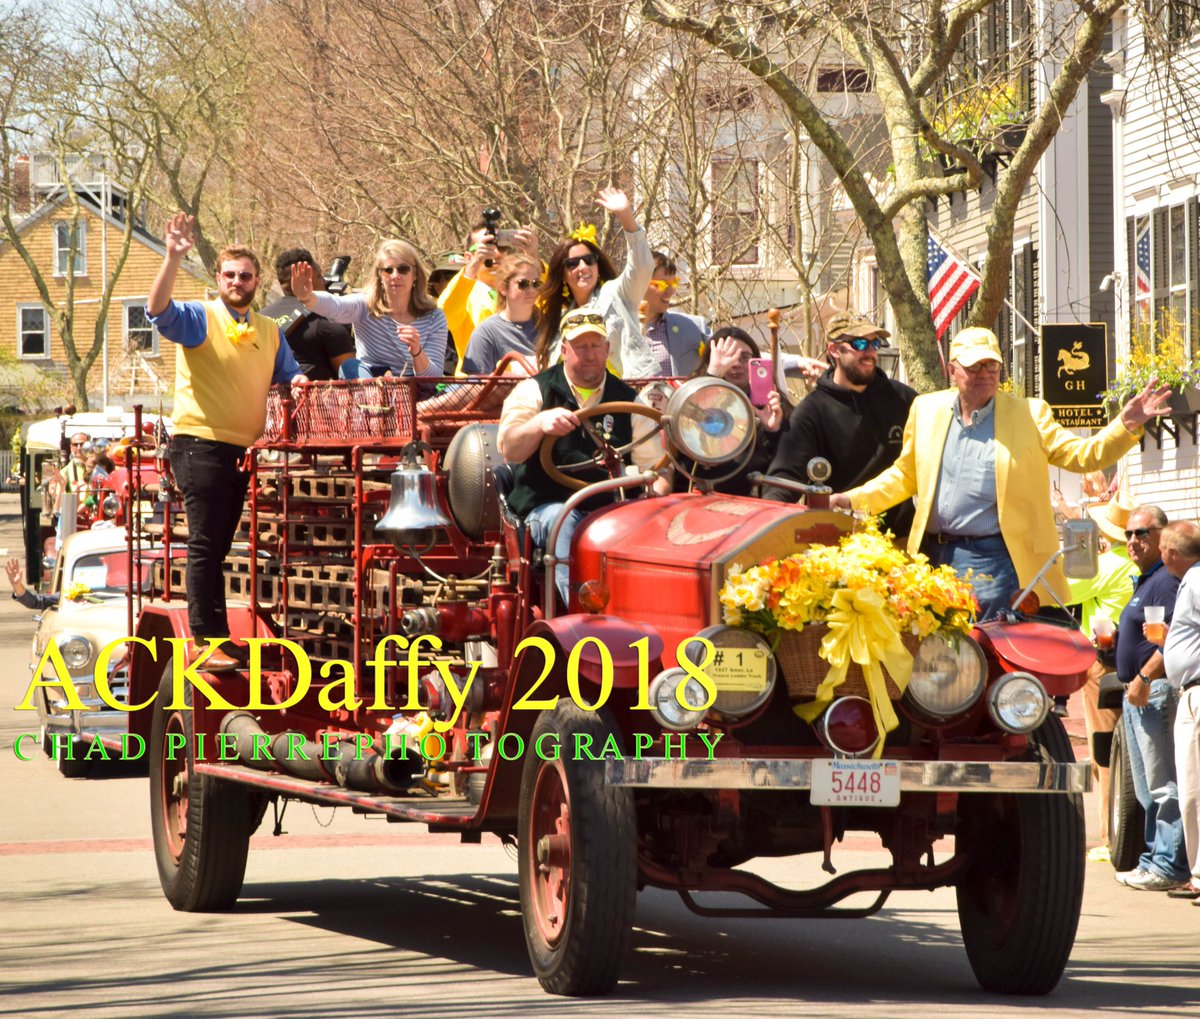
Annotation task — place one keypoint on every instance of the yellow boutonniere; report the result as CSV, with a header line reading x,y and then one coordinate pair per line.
x,y
585,232
238,332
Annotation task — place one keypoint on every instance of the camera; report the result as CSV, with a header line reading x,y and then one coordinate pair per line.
x,y
335,279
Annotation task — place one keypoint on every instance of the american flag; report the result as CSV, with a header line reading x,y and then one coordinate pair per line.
x,y
1142,258
950,285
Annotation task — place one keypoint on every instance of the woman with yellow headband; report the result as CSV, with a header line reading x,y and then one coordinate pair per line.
x,y
580,275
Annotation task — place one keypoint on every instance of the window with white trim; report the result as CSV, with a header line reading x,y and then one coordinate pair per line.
x,y
138,331
735,215
33,331
62,247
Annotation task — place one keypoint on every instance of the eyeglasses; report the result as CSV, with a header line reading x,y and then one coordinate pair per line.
x,y
589,319
573,263
403,269
232,274
991,367
662,286
861,343
527,284
1140,532
77,445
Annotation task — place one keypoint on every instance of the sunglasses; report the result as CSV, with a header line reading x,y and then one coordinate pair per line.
x,y
573,263
527,284
589,319
77,445
662,286
242,277
403,269
1140,532
860,343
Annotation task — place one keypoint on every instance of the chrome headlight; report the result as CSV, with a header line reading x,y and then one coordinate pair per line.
x,y
665,691
1018,703
949,672
76,651
709,420
742,669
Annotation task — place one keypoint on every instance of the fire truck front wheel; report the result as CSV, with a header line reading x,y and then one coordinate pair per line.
x,y
578,872
1019,900
201,825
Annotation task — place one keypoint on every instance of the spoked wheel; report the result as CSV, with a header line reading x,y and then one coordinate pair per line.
x,y
1126,818
607,456
1019,901
201,825
576,859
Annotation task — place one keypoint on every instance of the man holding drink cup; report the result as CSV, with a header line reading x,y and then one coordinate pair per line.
x,y
1150,703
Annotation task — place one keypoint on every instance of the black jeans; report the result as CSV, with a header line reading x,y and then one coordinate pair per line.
x,y
214,491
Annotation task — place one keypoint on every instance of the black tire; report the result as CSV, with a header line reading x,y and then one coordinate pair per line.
x,y
1019,900
1126,818
577,899
201,825
72,762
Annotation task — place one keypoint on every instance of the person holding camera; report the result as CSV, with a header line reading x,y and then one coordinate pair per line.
x,y
319,346
579,275
471,296
397,326
514,327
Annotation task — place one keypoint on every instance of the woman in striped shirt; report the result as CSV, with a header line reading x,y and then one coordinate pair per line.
x,y
398,327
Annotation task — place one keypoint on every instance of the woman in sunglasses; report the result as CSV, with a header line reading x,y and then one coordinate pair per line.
x,y
514,327
398,327
579,275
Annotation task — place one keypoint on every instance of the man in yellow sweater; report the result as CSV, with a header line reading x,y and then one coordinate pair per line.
x,y
977,460
229,358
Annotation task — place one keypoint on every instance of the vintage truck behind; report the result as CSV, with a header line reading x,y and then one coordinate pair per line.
x,y
423,611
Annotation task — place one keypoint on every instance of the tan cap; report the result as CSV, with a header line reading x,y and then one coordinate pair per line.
x,y
973,345
848,324
1112,517
581,322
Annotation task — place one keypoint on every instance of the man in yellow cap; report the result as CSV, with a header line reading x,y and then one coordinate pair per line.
x,y
976,460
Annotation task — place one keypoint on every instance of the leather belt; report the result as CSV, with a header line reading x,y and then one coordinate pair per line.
x,y
1189,684
953,539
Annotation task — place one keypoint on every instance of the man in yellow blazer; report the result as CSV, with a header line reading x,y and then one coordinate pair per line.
x,y
976,460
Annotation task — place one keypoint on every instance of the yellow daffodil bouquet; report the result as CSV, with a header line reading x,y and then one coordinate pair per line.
x,y
80,592
867,596
790,593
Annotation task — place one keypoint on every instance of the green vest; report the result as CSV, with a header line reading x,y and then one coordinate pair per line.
x,y
532,485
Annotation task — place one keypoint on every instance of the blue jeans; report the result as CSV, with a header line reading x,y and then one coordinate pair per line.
x,y
995,580
1150,736
353,368
539,521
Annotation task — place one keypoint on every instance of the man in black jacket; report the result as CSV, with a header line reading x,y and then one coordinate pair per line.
x,y
854,417
320,346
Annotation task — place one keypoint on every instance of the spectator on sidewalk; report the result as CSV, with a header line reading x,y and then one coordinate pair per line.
x,y
21,593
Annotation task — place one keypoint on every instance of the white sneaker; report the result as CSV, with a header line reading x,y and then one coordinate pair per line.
x,y
1148,881
1125,876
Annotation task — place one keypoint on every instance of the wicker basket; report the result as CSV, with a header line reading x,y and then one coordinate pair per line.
x,y
804,669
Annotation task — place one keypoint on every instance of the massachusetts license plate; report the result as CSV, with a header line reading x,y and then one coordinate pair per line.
x,y
855,783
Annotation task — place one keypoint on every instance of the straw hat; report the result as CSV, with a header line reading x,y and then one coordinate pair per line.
x,y
1112,517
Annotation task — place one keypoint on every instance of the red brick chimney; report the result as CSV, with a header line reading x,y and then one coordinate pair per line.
x,y
21,199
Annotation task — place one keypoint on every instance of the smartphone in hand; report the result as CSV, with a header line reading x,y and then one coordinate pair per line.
x,y
762,380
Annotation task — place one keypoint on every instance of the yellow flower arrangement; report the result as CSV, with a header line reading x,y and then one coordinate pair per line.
x,y
790,593
78,591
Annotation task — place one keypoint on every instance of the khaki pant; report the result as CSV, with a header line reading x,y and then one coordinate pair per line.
x,y
1097,720
1187,770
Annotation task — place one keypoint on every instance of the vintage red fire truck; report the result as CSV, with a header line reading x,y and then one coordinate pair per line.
x,y
418,617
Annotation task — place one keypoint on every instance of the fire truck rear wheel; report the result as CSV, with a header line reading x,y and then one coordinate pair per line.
x,y
1126,818
1019,901
577,864
201,825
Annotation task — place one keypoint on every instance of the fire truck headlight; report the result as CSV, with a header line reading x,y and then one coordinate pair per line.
x,y
76,651
949,672
709,420
665,696
1018,702
742,668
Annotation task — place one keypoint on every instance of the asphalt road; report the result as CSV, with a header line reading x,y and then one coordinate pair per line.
x,y
347,917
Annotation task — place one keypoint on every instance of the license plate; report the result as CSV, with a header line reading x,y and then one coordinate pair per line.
x,y
855,783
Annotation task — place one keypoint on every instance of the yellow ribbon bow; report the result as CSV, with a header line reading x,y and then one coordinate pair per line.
x,y
584,232
239,331
861,631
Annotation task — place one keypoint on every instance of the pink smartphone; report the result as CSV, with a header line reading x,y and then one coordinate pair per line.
x,y
762,380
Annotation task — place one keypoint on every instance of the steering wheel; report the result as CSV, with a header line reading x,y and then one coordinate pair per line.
x,y
607,457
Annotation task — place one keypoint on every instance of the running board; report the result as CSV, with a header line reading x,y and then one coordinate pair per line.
x,y
442,815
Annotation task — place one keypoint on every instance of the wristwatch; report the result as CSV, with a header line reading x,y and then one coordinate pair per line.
x,y
1143,678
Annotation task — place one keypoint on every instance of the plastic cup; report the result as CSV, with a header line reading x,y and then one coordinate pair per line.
x,y
1155,629
1103,629
1155,614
